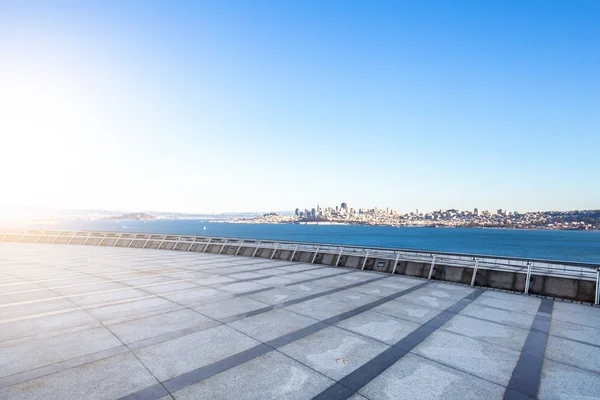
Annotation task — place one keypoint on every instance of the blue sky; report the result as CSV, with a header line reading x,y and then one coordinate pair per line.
x,y
272,105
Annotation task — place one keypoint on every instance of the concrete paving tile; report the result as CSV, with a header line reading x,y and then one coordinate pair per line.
x,y
416,378
519,320
426,300
271,376
169,287
129,309
576,314
97,287
574,353
572,331
307,288
4,289
563,382
39,353
172,358
45,324
375,289
101,298
242,287
40,295
144,328
275,296
245,275
229,307
195,296
109,378
34,308
272,324
481,359
443,293
501,335
213,280
333,352
323,272
409,311
519,306
355,299
515,297
379,326
275,281
320,308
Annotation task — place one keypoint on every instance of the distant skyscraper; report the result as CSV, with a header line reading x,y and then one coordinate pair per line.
x,y
313,213
418,211
345,206
297,213
476,211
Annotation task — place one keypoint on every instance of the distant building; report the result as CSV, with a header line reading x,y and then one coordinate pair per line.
x,y
344,206
418,211
313,213
501,212
297,212
476,211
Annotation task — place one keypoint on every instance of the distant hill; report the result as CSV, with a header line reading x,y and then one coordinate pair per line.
x,y
133,216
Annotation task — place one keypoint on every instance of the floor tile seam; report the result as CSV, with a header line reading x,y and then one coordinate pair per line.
x,y
103,291
262,269
271,347
574,340
504,309
571,365
316,278
396,345
62,362
457,369
335,324
529,354
573,323
47,335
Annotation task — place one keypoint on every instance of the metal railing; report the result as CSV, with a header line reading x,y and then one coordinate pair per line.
x,y
561,269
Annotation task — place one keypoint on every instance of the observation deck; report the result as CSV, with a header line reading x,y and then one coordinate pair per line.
x,y
145,316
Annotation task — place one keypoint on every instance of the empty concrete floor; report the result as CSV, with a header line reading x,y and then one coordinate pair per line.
x,y
106,323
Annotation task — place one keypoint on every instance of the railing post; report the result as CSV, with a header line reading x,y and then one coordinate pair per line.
x,y
475,271
222,247
294,252
87,238
256,250
131,241
207,244
365,262
239,248
114,244
40,237
101,240
339,257
396,263
431,267
191,244
597,286
161,242
274,250
528,277
315,256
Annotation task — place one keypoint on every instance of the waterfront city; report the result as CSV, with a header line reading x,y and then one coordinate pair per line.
x,y
501,218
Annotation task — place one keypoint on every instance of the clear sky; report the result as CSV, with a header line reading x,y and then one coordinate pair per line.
x,y
271,105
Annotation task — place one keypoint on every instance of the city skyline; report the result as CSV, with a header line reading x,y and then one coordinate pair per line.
x,y
231,107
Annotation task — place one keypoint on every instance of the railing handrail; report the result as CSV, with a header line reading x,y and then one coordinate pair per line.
x,y
322,246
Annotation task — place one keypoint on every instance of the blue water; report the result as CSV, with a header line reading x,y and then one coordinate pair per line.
x,y
582,246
